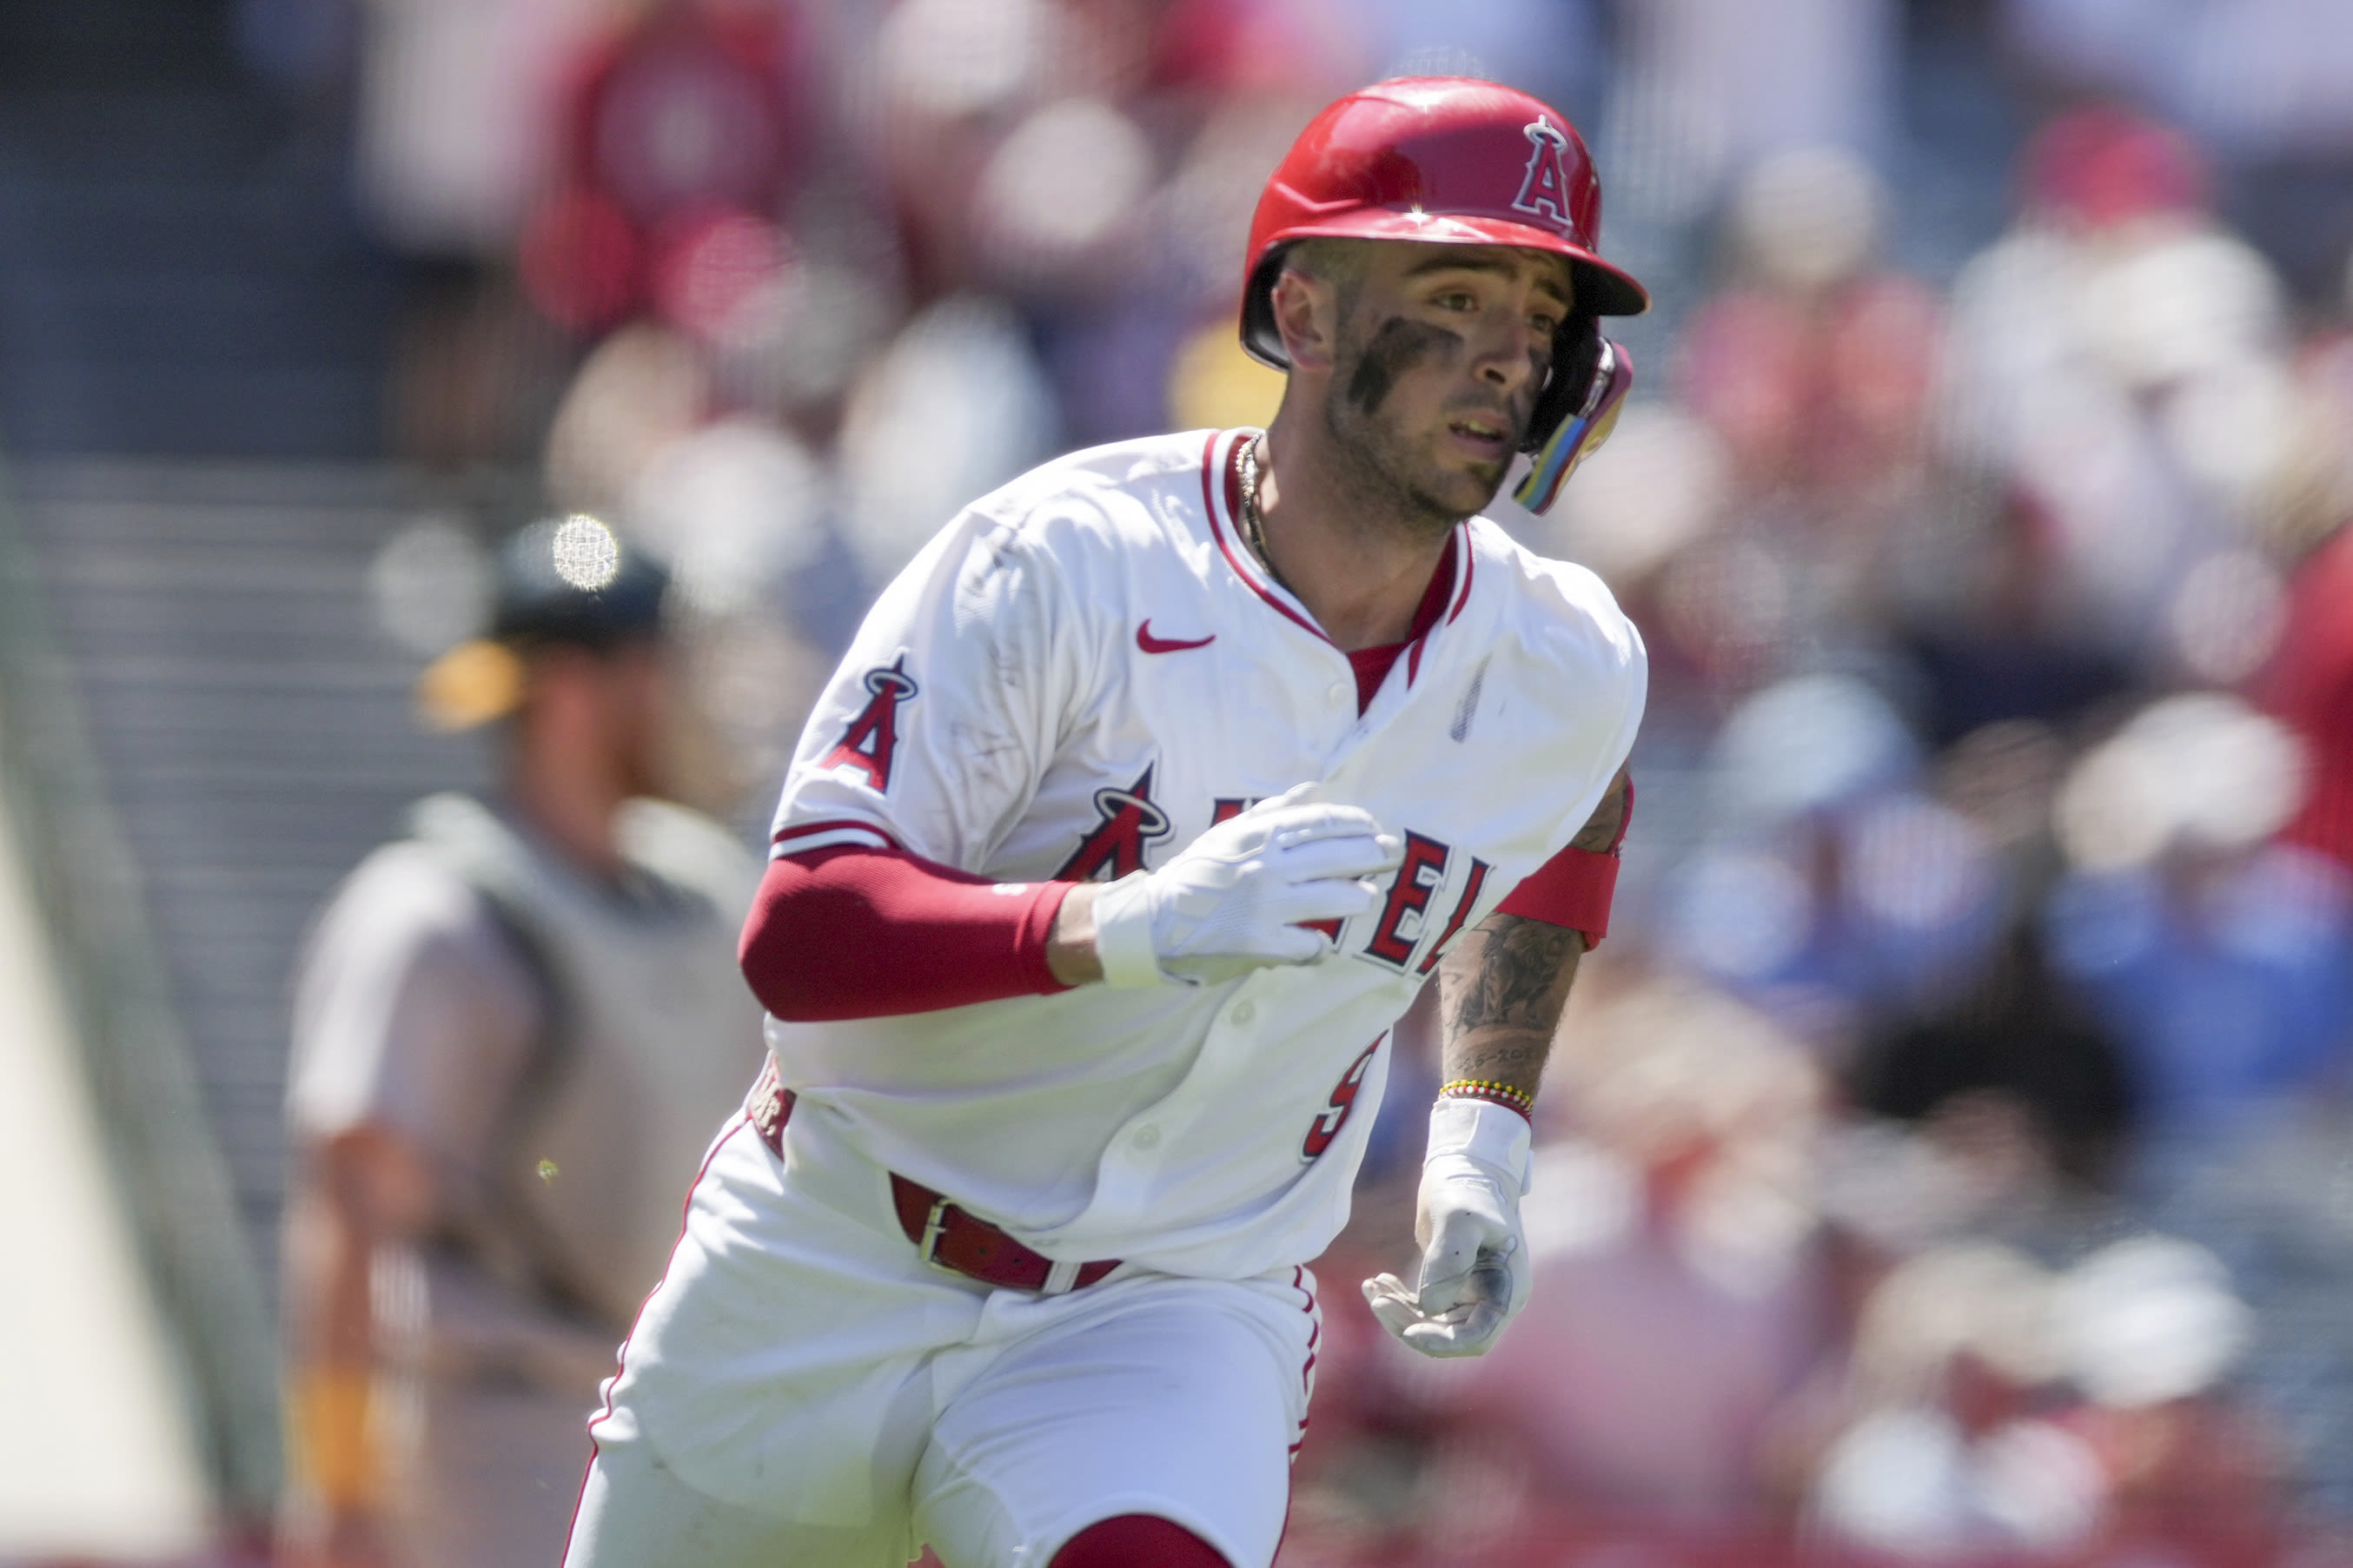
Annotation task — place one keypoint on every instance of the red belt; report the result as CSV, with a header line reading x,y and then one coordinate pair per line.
x,y
947,1235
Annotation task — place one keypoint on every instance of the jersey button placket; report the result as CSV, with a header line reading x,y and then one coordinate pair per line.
x,y
1147,1137
1243,1012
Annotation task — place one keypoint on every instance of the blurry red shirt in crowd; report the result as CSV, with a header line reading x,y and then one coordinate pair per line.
x,y
1828,394
2099,167
2310,688
680,134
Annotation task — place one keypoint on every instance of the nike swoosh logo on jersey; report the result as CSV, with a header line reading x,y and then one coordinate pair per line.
x,y
1150,644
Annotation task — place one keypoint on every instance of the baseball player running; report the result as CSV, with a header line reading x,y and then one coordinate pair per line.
x,y
1145,802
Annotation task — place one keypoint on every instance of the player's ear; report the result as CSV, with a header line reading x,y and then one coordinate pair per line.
x,y
1307,314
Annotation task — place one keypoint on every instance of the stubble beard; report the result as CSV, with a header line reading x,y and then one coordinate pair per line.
x,y
1383,484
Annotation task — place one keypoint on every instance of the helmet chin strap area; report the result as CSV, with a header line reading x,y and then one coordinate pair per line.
x,y
1575,415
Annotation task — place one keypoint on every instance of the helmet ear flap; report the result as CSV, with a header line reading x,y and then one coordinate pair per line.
x,y
1576,356
1261,338
1575,411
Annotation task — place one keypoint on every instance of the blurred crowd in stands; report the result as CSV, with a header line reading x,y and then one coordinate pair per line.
x,y
1948,1153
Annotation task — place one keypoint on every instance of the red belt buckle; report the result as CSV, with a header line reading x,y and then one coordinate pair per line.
x,y
1001,1260
934,1226
979,1251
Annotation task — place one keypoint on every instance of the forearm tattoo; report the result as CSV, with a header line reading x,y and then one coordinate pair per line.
x,y
1502,996
1500,993
1602,829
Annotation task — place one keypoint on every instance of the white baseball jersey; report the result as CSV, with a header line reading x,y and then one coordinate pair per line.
x,y
1075,679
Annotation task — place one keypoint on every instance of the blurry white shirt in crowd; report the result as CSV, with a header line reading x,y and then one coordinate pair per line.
x,y
457,114
955,409
2132,381
1909,1482
645,388
733,509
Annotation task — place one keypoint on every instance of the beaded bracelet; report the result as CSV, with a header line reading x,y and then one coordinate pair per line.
x,y
1503,1094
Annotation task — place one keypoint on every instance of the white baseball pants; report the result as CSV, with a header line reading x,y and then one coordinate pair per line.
x,y
803,1390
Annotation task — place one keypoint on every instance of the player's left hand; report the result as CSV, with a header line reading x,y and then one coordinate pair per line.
x,y
1245,895
1474,1262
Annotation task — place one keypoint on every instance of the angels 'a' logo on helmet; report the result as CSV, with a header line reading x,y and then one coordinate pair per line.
x,y
1544,189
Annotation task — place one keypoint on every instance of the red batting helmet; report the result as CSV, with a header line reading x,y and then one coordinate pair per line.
x,y
1445,159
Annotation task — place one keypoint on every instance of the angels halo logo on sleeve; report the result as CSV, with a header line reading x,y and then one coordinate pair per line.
x,y
871,742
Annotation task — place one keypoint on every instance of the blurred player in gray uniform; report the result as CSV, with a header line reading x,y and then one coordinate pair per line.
x,y
514,1032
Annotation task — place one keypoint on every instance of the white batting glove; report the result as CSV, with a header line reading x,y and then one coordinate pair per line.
x,y
1474,1262
1232,900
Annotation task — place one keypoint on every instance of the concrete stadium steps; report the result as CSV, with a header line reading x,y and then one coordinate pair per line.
x,y
253,728
202,319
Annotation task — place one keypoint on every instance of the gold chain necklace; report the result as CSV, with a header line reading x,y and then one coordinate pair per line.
x,y
1254,520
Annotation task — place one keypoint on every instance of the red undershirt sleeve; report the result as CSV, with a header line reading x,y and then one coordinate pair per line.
x,y
854,933
1573,888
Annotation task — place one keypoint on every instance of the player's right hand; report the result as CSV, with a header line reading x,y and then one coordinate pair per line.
x,y
1235,899
1474,1256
